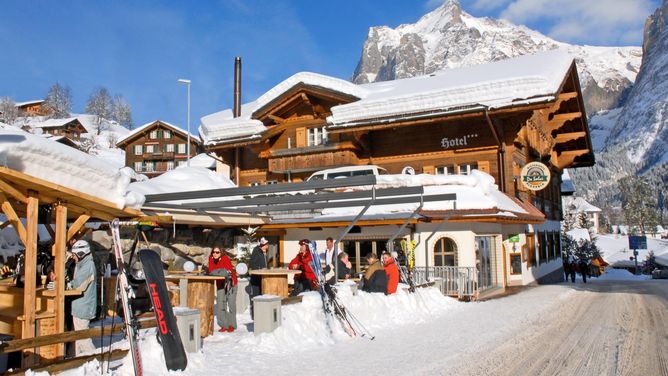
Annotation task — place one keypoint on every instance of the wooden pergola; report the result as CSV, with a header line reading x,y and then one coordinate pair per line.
x,y
21,196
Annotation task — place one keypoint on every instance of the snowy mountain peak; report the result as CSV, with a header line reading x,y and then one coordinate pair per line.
x,y
448,37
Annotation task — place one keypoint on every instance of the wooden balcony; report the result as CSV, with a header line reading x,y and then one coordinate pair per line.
x,y
159,155
312,162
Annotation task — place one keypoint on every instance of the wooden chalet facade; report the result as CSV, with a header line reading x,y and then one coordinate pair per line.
x,y
32,108
305,129
70,128
157,147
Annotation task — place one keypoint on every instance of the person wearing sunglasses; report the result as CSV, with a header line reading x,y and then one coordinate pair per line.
x,y
226,296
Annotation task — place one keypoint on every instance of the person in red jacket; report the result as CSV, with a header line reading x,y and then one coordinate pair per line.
x,y
226,296
306,280
392,271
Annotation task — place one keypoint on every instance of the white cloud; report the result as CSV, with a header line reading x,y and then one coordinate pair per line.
x,y
582,21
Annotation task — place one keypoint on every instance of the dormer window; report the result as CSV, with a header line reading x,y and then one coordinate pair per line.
x,y
317,136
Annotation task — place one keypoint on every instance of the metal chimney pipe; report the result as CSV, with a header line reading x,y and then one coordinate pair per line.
x,y
237,86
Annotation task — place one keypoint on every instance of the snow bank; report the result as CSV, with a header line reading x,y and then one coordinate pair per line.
x,y
622,275
182,179
60,164
304,328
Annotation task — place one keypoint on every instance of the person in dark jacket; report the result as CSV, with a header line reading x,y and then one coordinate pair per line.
x,y
258,260
392,272
583,268
375,279
345,266
306,280
226,296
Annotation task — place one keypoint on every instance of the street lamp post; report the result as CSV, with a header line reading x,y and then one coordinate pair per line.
x,y
187,82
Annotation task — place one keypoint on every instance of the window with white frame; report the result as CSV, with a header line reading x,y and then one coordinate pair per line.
x,y
317,136
181,163
150,167
182,148
150,148
465,169
138,166
153,135
169,148
445,170
166,134
139,149
170,165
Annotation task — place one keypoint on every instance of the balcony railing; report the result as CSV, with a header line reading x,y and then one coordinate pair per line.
x,y
459,281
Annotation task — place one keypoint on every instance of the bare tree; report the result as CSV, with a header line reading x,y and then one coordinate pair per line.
x,y
121,112
8,110
99,104
59,101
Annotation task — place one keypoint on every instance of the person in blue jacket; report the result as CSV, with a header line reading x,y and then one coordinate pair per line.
x,y
83,307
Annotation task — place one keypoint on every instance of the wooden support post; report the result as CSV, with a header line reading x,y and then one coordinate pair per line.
x,y
18,195
59,247
77,225
13,218
30,267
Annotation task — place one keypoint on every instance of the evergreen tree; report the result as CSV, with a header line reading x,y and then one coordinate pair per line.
x,y
582,221
639,204
650,263
99,104
568,223
8,110
58,101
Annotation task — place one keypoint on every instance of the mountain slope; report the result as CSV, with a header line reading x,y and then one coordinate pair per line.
x,y
448,37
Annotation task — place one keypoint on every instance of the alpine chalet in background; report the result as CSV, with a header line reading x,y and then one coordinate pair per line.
x,y
498,119
157,147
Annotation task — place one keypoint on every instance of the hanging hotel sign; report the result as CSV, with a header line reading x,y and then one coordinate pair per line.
x,y
535,176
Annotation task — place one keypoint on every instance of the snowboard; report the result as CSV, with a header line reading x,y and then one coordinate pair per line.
x,y
175,354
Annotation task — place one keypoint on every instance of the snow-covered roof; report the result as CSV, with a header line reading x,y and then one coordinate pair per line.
x,y
567,186
53,123
21,104
221,126
579,204
194,178
142,128
522,80
60,164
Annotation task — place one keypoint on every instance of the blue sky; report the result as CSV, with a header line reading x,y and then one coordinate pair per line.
x,y
140,48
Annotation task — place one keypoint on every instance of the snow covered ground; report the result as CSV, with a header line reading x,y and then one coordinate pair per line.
x,y
616,250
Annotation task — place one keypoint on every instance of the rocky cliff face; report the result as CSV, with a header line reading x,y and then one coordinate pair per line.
x,y
448,37
642,126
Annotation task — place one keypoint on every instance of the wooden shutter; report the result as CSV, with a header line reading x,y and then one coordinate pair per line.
x,y
301,137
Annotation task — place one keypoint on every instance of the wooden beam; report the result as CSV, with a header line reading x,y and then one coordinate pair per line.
x,y
277,119
559,120
75,335
335,224
563,97
77,225
13,218
566,158
565,137
10,190
5,224
59,247
30,270
66,364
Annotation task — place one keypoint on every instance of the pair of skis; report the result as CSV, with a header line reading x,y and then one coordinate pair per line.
x,y
175,356
409,251
331,304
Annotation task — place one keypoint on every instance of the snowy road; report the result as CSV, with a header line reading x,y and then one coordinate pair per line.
x,y
606,328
